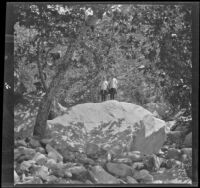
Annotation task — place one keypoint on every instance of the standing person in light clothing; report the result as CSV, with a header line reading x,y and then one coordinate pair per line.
x,y
113,88
104,89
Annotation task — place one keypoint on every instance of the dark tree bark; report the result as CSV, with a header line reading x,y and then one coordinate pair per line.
x,y
40,58
45,106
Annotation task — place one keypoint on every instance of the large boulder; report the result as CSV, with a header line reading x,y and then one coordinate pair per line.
x,y
107,125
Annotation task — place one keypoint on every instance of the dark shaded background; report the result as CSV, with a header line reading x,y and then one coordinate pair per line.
x,y
8,113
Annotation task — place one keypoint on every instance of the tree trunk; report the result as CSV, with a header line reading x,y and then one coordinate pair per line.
x,y
45,105
41,76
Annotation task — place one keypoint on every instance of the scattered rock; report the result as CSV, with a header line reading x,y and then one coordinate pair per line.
x,y
33,180
20,143
119,169
86,161
122,181
157,181
34,143
160,153
188,140
52,153
51,179
177,163
170,124
109,157
45,141
173,153
100,176
16,177
91,149
62,181
170,163
131,180
175,137
88,182
143,176
123,160
40,159
51,164
79,172
75,182
41,172
102,161
60,173
68,156
187,151
25,165
59,170
138,166
171,176
152,162
23,153
67,173
17,154
165,148
135,156
115,151
41,150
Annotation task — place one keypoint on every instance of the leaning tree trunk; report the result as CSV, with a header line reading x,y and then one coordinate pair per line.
x,y
42,116
39,59
45,105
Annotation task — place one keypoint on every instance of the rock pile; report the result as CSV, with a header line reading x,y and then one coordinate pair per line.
x,y
45,165
108,151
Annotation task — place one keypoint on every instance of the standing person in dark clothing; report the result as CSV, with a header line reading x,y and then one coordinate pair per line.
x,y
104,89
113,88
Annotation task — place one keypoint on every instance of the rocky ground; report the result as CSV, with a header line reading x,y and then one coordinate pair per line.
x,y
37,162
40,161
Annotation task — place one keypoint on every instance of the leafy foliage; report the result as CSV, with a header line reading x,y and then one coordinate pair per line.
x,y
147,47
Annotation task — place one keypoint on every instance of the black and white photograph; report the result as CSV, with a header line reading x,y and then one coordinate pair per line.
x,y
102,93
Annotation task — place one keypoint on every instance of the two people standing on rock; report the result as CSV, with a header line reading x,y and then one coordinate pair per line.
x,y
108,87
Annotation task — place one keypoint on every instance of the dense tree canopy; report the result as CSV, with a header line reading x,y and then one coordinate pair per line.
x,y
147,47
